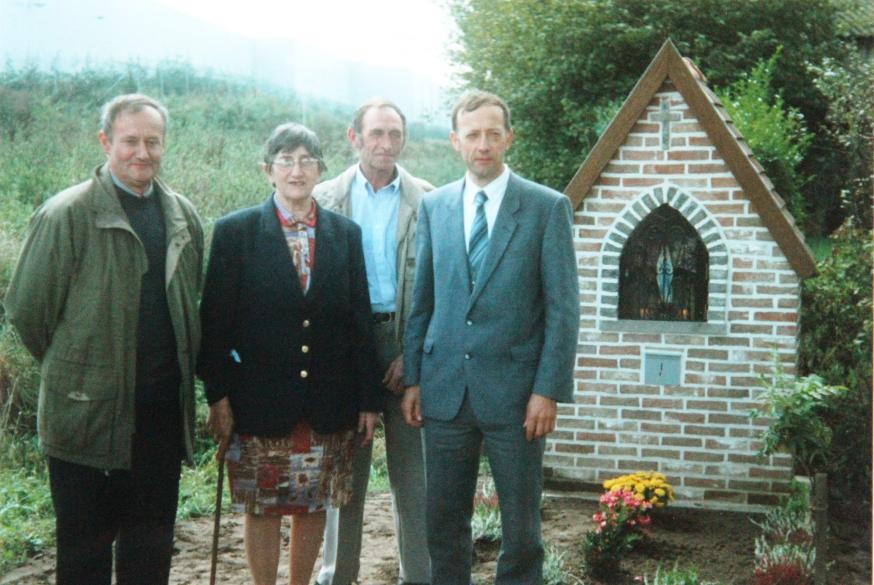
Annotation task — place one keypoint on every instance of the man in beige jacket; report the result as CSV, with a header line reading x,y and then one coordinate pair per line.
x,y
383,199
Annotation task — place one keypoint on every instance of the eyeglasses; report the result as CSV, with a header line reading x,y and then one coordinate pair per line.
x,y
306,163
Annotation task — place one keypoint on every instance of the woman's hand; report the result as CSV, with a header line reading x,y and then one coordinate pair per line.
x,y
366,425
220,424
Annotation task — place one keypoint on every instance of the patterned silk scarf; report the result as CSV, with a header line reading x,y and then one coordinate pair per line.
x,y
300,235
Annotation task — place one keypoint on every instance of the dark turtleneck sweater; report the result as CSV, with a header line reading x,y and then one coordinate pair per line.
x,y
158,375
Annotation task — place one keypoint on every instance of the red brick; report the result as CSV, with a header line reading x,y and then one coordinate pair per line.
x,y
662,403
574,448
721,182
597,437
619,350
592,206
769,473
688,155
615,168
641,414
606,181
743,458
637,154
686,417
754,329
617,451
686,127
703,431
703,457
707,168
748,486
661,453
730,367
700,141
681,442
713,354
791,316
724,496
663,169
619,401
584,362
638,182
712,405
704,482
660,428
644,128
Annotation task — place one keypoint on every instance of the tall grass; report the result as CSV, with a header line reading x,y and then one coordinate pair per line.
x,y
48,141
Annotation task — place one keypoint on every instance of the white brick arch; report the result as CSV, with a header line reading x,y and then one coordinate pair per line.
x,y
631,216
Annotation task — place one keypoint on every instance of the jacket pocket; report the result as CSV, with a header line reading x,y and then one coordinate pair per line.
x,y
78,407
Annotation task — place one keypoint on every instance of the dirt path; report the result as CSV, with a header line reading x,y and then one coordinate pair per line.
x,y
719,544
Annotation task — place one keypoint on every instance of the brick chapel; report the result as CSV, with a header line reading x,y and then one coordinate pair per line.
x,y
690,270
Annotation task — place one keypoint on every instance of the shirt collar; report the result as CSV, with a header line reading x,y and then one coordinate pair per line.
x,y
494,190
394,186
288,219
117,182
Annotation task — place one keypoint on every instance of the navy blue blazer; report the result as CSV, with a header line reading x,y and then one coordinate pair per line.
x,y
279,355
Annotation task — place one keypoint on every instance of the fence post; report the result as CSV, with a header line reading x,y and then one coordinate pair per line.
x,y
820,532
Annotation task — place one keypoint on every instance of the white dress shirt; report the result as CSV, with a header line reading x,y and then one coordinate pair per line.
x,y
495,193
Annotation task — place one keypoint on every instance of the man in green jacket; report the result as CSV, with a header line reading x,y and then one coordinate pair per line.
x,y
104,296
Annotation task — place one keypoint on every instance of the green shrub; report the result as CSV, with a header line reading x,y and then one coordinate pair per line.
x,y
775,132
835,343
796,408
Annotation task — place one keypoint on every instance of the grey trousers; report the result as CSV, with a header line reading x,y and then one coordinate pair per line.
x,y
406,472
452,451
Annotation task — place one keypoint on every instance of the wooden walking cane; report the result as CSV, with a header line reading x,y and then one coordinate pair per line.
x,y
218,517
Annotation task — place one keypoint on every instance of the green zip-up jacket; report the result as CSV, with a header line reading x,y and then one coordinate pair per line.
x,y
74,300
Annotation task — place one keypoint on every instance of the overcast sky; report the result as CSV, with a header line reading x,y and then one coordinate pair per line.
x,y
342,50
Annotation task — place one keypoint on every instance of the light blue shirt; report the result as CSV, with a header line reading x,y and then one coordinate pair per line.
x,y
377,214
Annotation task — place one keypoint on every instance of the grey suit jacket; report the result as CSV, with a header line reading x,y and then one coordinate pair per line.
x,y
516,331
334,194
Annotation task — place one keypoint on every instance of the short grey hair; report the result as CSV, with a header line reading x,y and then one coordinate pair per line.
x,y
129,102
358,118
287,137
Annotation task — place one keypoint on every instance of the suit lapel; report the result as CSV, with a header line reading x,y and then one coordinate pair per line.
x,y
454,231
273,250
327,242
505,225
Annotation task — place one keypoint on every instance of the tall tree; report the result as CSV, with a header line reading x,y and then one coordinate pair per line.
x,y
565,65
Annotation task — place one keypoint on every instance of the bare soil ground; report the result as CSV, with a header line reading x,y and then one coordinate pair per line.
x,y
720,544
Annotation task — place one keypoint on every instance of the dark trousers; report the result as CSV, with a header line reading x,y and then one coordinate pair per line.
x,y
452,451
136,509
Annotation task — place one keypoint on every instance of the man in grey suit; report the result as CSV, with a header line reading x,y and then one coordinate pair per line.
x,y
382,198
490,344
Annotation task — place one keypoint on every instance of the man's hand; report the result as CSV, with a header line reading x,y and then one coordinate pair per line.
x,y
393,379
411,406
539,417
366,425
220,424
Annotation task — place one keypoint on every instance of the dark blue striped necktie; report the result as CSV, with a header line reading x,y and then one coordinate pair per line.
x,y
479,237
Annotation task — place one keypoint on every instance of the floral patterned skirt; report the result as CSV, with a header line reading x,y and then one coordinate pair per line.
x,y
295,474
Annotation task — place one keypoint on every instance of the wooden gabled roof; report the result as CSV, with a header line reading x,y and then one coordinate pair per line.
x,y
711,115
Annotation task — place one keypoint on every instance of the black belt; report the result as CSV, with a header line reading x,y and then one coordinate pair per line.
x,y
383,317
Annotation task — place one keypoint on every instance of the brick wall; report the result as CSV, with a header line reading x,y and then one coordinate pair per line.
x,y
698,433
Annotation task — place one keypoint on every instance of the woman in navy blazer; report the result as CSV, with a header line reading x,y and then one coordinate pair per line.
x,y
288,356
